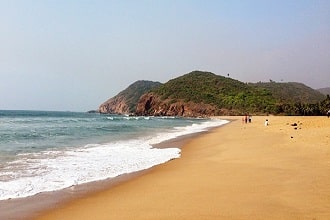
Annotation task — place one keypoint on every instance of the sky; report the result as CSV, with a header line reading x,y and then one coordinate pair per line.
x,y
73,55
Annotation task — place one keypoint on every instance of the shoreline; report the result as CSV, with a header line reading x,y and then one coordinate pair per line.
x,y
237,171
30,207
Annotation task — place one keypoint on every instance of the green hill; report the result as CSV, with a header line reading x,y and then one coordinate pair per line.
x,y
292,92
222,92
204,94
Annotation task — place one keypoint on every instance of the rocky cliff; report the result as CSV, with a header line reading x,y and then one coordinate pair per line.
x,y
115,105
152,104
125,102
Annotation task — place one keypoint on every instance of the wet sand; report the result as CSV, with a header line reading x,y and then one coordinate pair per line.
x,y
238,171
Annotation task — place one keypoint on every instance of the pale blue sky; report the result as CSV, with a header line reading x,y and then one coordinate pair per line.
x,y
73,55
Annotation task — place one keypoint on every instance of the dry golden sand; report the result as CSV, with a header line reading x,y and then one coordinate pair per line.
x,y
239,171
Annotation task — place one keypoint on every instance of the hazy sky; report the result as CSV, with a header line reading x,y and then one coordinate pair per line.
x,y
74,55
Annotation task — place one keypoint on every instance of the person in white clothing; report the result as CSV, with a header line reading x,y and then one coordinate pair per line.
x,y
266,122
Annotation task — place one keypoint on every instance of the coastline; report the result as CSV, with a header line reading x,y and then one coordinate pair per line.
x,y
30,207
236,171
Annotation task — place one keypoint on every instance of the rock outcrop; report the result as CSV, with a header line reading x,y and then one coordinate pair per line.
x,y
151,104
125,102
115,105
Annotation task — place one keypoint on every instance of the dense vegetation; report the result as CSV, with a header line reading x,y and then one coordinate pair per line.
x,y
291,92
240,98
220,91
307,109
296,99
228,96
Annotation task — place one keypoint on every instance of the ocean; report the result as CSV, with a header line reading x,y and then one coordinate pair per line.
x,y
43,151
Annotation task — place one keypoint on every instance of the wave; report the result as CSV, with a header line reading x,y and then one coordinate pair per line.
x,y
48,170
51,170
119,118
189,129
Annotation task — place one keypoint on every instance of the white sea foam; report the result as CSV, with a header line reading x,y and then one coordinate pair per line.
x,y
44,171
190,129
94,162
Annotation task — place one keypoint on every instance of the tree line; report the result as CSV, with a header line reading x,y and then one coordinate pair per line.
x,y
304,109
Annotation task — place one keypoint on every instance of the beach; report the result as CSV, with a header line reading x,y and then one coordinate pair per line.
x,y
236,171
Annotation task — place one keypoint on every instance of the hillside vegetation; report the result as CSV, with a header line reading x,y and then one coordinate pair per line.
x,y
291,92
225,93
204,94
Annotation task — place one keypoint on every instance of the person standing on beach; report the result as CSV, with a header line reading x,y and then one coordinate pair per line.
x,y
328,113
266,122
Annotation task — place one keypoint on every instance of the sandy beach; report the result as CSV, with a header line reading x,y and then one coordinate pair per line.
x,y
238,171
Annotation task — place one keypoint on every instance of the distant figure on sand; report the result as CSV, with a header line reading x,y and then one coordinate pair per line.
x,y
328,113
266,122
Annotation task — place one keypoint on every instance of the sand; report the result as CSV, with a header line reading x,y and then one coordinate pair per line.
x,y
238,171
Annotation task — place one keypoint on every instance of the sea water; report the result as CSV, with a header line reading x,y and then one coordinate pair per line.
x,y
46,151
